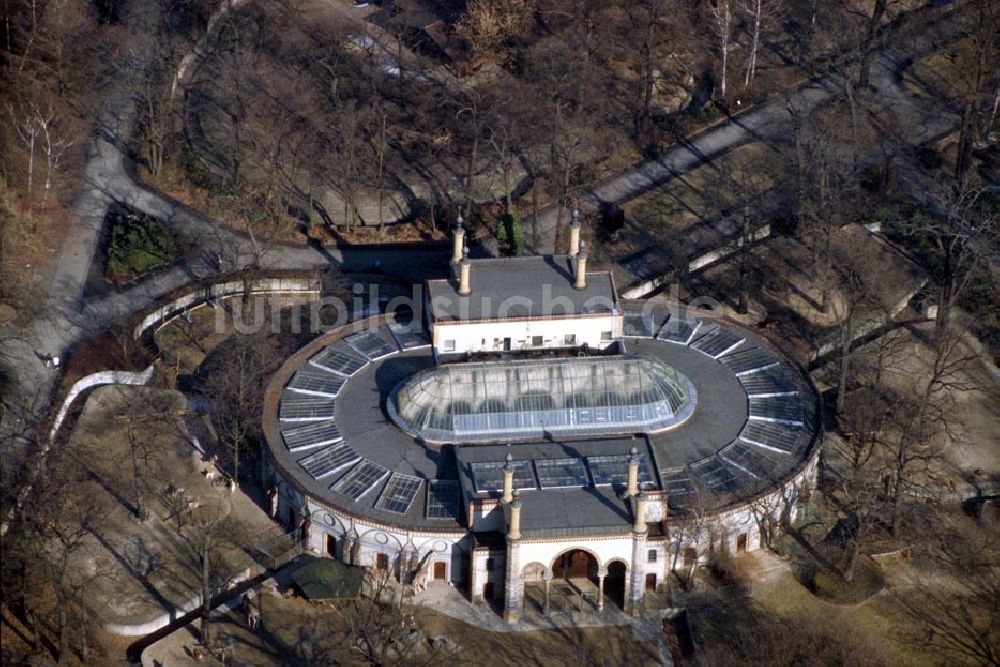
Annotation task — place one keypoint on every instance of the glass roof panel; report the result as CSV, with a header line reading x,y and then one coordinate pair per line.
x,y
493,400
442,499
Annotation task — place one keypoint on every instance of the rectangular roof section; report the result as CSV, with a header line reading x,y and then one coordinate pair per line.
x,y
536,287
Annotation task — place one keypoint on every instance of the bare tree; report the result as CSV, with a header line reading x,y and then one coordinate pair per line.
x,y
208,536
772,511
234,379
926,423
721,15
867,47
488,25
380,627
858,269
147,416
650,22
978,74
960,239
956,618
52,540
25,123
759,13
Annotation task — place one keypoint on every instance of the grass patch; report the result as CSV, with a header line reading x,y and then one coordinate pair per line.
x,y
866,582
137,245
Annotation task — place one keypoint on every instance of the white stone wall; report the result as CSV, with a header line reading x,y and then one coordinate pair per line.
x,y
480,574
647,287
604,549
486,516
375,538
472,337
723,531
95,380
217,290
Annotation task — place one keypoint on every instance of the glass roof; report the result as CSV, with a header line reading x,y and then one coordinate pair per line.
x,y
495,400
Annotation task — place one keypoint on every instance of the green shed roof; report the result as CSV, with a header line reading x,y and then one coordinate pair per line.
x,y
328,579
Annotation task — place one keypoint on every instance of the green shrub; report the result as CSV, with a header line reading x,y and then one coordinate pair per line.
x,y
510,234
137,245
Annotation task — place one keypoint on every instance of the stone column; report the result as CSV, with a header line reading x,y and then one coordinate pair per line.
x,y
458,241
637,569
601,574
513,598
508,480
475,580
547,577
580,280
636,574
574,233
632,488
411,568
345,550
356,553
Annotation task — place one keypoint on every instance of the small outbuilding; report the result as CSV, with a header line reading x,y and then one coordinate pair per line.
x,y
328,579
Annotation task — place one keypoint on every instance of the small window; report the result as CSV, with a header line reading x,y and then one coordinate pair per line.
x,y
537,341
605,335
570,339
651,556
449,345
489,564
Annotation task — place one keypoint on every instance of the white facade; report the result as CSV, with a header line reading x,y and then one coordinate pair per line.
x,y
595,331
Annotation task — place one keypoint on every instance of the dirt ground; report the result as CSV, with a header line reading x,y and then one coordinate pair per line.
x,y
938,75
185,340
877,631
873,624
295,631
975,419
139,568
686,207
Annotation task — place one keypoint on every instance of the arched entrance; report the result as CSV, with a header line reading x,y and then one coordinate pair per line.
x,y
575,581
535,586
576,564
614,583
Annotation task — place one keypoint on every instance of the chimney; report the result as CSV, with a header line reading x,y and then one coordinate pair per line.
x,y
457,240
508,479
465,274
639,525
574,233
581,268
633,474
514,530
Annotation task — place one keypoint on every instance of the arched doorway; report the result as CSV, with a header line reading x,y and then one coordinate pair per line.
x,y
575,581
533,575
614,583
576,564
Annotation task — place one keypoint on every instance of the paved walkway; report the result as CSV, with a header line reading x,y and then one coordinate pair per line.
x,y
450,601
919,120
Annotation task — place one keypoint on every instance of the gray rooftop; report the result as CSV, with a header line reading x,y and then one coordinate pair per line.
x,y
721,453
543,286
549,511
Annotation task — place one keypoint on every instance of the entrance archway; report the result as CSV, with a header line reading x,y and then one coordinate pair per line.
x,y
614,583
576,582
575,564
